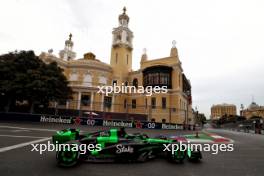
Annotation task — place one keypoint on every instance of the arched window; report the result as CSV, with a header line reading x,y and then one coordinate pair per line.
x,y
114,82
87,80
102,80
73,77
135,82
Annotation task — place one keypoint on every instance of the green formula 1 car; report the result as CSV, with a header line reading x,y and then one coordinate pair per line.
x,y
115,145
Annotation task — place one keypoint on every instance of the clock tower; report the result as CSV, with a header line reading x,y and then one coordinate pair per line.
x,y
121,51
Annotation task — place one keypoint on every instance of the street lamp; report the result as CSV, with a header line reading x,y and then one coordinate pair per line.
x,y
196,114
242,108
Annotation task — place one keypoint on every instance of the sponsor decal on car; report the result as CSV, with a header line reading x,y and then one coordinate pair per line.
x,y
124,149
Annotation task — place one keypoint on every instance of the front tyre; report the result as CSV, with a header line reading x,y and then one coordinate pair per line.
x,y
194,156
145,156
69,156
176,157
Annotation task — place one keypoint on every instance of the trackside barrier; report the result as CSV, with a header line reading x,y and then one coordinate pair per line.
x,y
19,117
245,130
87,121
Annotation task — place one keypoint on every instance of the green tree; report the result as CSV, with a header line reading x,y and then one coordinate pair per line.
x,y
23,76
200,117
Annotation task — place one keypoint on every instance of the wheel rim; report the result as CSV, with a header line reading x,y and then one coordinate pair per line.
x,y
67,157
178,155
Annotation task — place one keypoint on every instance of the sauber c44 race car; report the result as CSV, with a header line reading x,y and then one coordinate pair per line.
x,y
115,145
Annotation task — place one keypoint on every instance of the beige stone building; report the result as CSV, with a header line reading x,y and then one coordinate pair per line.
x,y
87,73
220,110
253,110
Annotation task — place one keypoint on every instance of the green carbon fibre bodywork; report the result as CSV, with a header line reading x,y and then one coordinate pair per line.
x,y
65,135
113,138
160,141
189,152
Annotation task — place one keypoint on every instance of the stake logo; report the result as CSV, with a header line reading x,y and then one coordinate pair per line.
x,y
124,149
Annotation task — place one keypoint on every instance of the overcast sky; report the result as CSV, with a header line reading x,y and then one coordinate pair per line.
x,y
220,42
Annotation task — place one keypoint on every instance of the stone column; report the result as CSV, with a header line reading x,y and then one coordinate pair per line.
x,y
102,101
67,104
79,100
92,99
113,101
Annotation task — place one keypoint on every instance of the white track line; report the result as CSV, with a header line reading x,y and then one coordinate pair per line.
x,y
15,136
200,140
4,149
19,131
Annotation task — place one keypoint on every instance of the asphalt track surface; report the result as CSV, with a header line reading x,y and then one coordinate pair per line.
x,y
16,157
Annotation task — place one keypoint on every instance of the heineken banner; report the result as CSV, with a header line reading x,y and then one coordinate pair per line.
x,y
88,121
109,123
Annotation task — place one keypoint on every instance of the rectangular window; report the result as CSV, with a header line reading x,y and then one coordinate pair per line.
x,y
134,104
180,104
127,58
116,58
85,100
62,102
114,82
107,102
125,104
153,102
164,103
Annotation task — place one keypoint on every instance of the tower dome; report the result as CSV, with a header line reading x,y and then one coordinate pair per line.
x,y
253,105
69,41
67,53
144,56
123,18
122,35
